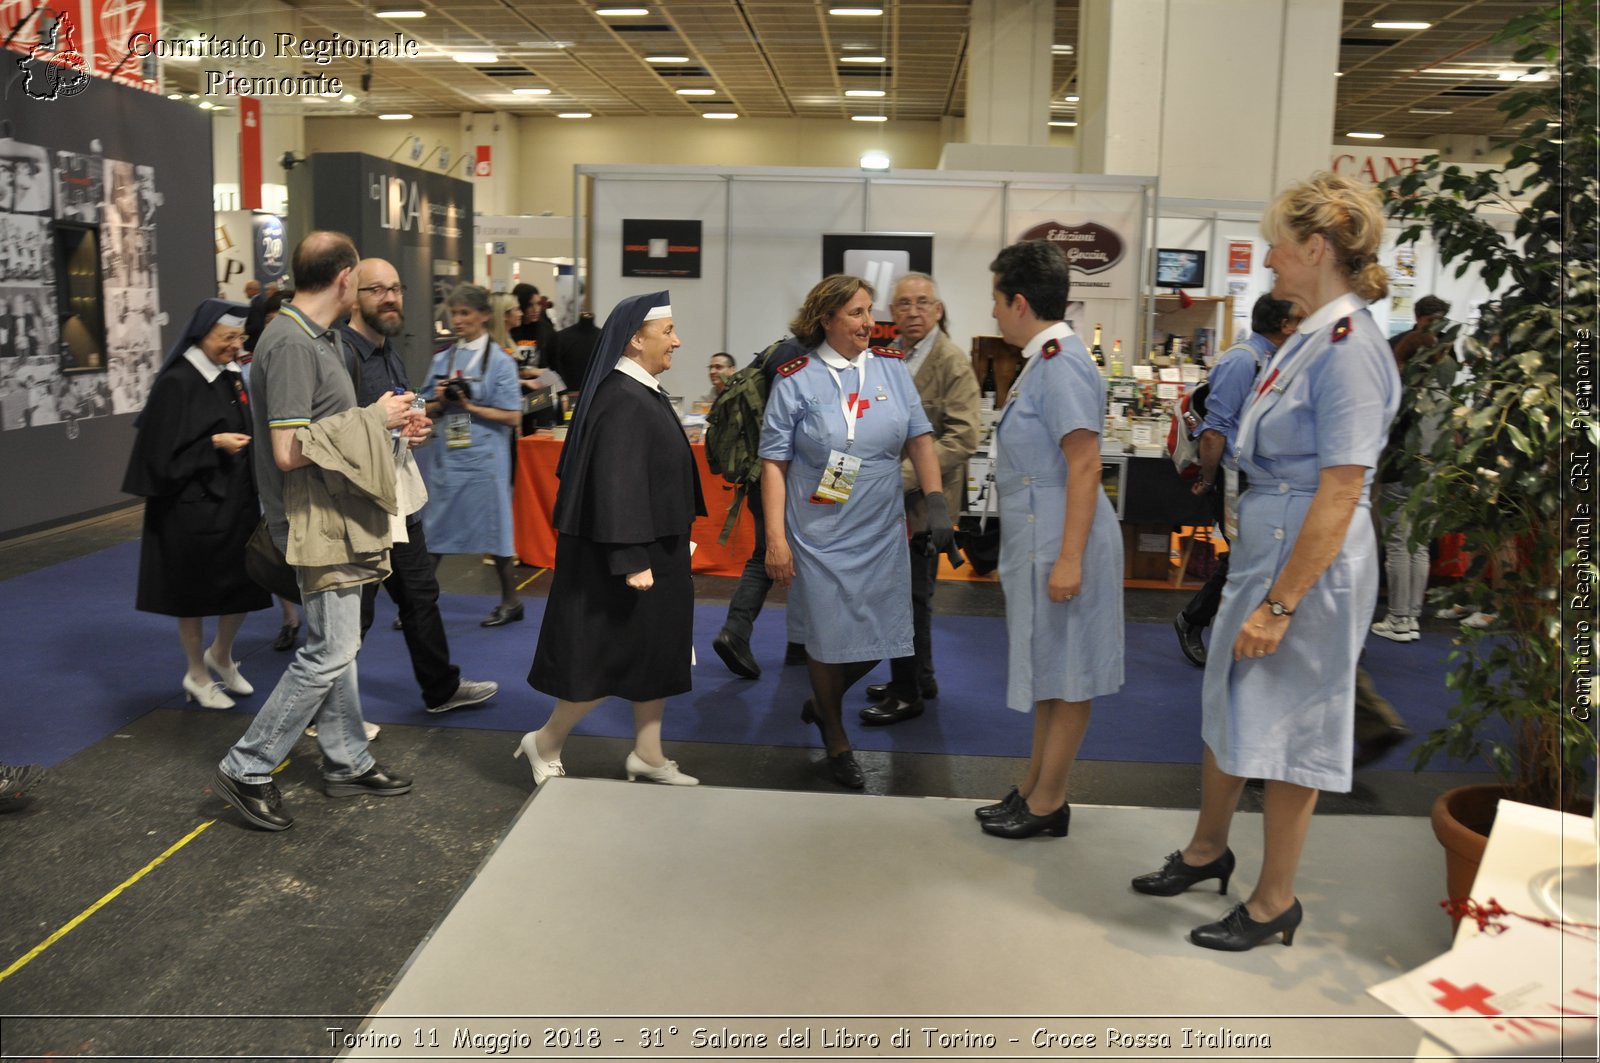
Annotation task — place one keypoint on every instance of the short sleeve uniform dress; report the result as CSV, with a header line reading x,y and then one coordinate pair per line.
x,y
1326,400
1071,651
469,488
851,594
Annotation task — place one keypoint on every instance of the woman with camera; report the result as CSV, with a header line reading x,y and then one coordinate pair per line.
x,y
477,406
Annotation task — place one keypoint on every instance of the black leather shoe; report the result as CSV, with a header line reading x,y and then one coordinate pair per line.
x,y
1001,808
1374,748
735,653
891,710
286,636
1237,932
1022,823
503,615
845,771
1176,876
259,803
375,781
928,688
794,653
1189,640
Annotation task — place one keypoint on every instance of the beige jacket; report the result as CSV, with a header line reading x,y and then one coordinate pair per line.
x,y
949,391
340,506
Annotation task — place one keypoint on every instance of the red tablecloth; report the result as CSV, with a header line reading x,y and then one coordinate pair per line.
x,y
534,501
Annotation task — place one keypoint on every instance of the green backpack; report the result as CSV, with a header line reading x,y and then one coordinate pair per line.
x,y
733,434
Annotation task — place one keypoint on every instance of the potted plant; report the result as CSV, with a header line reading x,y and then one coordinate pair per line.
x,y
1509,472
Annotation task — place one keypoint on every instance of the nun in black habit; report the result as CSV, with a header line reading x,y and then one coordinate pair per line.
x,y
190,461
620,617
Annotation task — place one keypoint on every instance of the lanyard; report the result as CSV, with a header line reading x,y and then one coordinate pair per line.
x,y
848,408
453,351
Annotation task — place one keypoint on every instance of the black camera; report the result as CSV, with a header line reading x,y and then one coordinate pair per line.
x,y
458,389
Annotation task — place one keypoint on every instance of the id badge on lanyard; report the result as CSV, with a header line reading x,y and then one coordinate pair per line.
x,y
1230,504
458,430
839,475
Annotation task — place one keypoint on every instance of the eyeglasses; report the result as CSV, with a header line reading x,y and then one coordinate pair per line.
x,y
923,303
383,289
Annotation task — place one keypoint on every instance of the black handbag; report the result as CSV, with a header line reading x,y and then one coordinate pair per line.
x,y
265,564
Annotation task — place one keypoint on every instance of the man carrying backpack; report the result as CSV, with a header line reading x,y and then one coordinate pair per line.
x,y
733,439
1272,321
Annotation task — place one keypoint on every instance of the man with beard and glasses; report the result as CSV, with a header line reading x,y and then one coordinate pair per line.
x,y
376,318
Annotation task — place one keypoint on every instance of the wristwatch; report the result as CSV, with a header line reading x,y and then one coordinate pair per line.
x,y
1277,608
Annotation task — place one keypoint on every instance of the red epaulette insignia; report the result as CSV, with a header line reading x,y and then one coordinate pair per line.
x,y
1341,330
1050,349
888,352
794,365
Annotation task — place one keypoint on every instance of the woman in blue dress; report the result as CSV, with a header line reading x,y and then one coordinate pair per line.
x,y
1304,576
1060,544
837,422
477,405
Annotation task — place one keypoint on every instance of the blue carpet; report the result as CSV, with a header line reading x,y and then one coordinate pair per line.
x,y
82,663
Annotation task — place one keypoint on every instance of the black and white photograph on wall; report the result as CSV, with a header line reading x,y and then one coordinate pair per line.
x,y
29,327
133,343
148,198
26,396
25,250
25,178
80,186
128,256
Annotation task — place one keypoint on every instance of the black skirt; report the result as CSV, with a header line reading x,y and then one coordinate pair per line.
x,y
601,638
191,558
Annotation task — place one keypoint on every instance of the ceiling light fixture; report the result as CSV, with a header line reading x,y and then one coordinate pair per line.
x,y
1064,125
1431,110
475,57
347,98
697,92
862,59
175,96
875,160
403,13
207,105
1401,25
720,114
1338,73
855,12
574,114
622,12
1530,75
398,116
1071,99
1062,49
530,92
865,94
869,118
1365,136
666,59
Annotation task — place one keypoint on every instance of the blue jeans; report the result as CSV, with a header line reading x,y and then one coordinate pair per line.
x,y
320,685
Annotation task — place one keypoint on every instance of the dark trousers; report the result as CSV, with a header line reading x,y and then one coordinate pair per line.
x,y
1202,608
907,675
415,590
751,593
1375,716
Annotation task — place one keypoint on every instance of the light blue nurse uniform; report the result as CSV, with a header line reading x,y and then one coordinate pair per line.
x,y
1070,651
1289,715
469,488
851,596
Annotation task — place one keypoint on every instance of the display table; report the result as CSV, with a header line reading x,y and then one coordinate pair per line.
x,y
534,501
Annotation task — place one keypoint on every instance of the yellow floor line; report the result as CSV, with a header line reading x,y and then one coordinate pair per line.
x,y
102,902
531,578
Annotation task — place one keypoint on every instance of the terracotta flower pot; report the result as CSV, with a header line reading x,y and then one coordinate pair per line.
x,y
1461,821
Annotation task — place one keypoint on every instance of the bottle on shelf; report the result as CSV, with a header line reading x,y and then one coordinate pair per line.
x,y
1116,357
987,387
1098,351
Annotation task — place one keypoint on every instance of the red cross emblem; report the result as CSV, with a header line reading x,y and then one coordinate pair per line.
x,y
1455,998
862,409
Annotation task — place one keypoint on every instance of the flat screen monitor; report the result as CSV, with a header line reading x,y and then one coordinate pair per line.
x,y
1180,268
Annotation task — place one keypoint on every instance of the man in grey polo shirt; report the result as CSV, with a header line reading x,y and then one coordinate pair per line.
x,y
299,377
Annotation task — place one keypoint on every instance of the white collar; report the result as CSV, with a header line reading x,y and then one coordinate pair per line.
x,y
208,369
634,369
835,360
1056,330
1328,313
475,346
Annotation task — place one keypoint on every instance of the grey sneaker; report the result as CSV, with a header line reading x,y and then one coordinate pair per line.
x,y
468,692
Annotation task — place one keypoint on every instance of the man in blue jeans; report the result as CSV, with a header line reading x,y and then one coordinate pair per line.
x,y
298,378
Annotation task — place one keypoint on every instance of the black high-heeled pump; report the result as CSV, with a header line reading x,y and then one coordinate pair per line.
x,y
1176,876
842,766
1237,932
1000,808
1022,823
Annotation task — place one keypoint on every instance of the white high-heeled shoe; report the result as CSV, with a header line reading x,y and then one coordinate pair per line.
x,y
232,681
207,695
542,769
667,775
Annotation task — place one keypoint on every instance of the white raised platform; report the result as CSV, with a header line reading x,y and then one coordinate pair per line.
x,y
613,908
